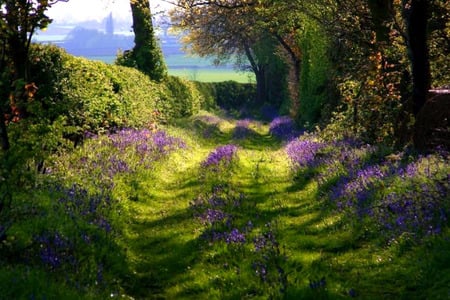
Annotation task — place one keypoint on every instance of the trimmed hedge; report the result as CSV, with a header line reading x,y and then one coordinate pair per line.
x,y
95,96
227,94
92,95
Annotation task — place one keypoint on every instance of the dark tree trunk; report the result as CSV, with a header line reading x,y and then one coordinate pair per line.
x,y
260,75
381,11
261,87
416,13
3,132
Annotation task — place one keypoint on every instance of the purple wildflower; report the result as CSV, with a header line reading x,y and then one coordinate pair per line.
x,y
213,216
242,130
55,249
356,190
235,237
163,143
284,128
222,155
260,270
302,153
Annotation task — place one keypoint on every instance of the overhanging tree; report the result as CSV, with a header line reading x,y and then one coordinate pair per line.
x,y
223,28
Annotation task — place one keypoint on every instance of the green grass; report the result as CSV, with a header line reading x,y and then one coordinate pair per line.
x,y
196,69
212,75
165,249
165,258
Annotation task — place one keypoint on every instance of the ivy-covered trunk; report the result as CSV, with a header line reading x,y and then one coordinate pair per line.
x,y
146,52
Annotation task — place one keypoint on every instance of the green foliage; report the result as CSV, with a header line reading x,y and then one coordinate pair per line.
x,y
230,94
439,44
206,89
371,75
184,99
95,97
314,90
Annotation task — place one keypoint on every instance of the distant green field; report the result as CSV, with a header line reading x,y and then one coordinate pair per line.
x,y
212,74
197,69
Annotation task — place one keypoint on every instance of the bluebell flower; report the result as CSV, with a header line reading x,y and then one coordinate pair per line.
x,y
284,128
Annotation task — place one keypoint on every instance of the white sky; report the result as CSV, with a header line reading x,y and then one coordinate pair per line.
x,y
82,10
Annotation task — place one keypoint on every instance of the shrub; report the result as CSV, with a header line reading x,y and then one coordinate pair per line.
x,y
231,94
95,97
184,99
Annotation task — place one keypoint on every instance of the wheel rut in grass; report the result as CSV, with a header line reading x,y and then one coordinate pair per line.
x,y
163,237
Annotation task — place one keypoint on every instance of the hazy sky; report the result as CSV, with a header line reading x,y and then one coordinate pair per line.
x,y
81,10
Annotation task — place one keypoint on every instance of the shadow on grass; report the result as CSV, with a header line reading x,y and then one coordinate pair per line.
x,y
210,131
163,249
318,241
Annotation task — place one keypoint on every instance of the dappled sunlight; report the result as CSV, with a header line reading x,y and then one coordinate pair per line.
x,y
232,215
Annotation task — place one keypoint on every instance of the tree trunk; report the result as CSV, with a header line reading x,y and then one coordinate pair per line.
x,y
261,87
260,75
294,87
146,52
294,65
416,13
3,132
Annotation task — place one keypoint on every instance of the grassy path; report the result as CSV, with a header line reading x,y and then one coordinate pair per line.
x,y
169,260
163,237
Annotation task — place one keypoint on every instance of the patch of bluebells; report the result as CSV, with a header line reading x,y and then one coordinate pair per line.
x,y
162,144
220,158
217,212
269,261
354,192
302,153
242,130
125,150
234,237
421,206
284,128
77,249
145,142
399,197
55,250
78,204
78,258
221,212
344,158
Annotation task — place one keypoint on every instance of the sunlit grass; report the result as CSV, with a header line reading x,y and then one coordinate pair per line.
x,y
212,75
323,252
